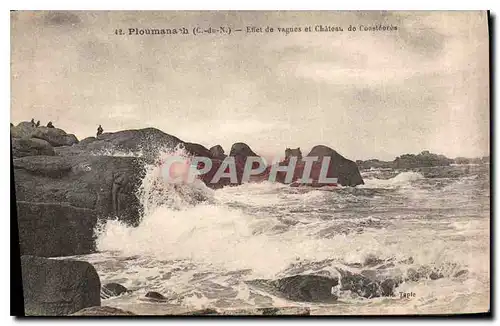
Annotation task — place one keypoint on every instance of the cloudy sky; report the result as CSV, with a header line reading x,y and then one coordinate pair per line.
x,y
368,94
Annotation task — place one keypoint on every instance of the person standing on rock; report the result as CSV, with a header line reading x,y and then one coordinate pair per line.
x,y
50,125
37,124
99,131
32,122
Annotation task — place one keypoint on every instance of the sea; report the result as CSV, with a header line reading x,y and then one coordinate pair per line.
x,y
201,248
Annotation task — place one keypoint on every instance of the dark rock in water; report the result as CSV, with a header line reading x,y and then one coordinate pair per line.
x,y
346,171
197,150
241,149
102,311
58,287
112,290
30,147
303,288
55,229
155,295
271,311
218,152
54,136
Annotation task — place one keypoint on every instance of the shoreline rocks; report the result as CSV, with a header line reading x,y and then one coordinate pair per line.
x,y
58,287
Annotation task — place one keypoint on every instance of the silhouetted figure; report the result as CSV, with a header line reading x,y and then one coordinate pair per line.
x,y
32,122
37,123
99,131
50,125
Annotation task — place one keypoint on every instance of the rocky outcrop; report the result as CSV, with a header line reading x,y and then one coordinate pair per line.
x,y
58,287
30,147
423,159
54,136
218,152
102,311
147,142
411,161
55,229
112,290
271,311
346,171
326,289
60,200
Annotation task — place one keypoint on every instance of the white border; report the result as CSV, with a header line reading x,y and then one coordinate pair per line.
x,y
186,5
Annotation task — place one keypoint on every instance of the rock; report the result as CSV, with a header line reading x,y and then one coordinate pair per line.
x,y
31,146
58,287
425,158
22,130
86,141
155,296
201,312
346,171
241,149
55,136
104,184
271,311
218,152
55,229
112,290
149,142
102,311
302,288
197,150
61,199
461,273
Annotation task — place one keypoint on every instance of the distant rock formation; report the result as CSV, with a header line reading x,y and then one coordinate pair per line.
x,y
407,161
58,287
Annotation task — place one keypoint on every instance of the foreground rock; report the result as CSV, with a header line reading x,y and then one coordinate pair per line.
x,y
102,311
271,311
58,287
60,199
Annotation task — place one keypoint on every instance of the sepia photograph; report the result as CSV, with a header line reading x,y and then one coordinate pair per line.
x,y
251,163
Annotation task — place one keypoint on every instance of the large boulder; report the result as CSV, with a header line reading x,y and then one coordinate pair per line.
x,y
30,147
346,171
147,142
54,136
102,311
218,152
61,198
55,229
58,287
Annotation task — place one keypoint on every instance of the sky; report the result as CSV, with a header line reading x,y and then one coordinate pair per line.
x,y
366,94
